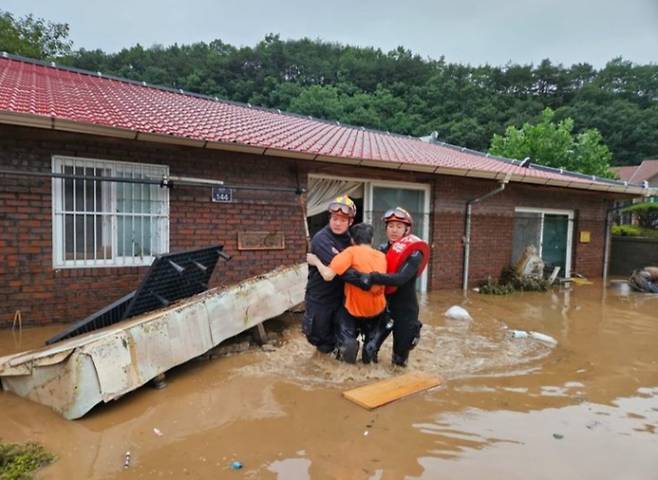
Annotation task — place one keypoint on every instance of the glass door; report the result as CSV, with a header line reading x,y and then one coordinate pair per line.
x,y
412,197
550,231
554,243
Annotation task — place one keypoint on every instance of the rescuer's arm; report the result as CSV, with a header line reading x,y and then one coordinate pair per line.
x,y
356,278
407,272
327,273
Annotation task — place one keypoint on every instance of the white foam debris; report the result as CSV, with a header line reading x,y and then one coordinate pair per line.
x,y
457,313
540,337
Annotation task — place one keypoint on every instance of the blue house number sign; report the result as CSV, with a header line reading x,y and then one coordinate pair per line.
x,y
222,194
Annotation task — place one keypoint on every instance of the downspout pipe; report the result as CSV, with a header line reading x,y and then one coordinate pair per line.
x,y
467,234
607,240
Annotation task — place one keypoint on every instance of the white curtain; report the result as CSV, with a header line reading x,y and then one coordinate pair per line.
x,y
323,190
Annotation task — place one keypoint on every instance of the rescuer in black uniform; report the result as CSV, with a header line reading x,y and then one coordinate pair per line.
x,y
407,256
323,299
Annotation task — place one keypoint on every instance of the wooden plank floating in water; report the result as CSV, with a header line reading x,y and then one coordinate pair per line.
x,y
387,391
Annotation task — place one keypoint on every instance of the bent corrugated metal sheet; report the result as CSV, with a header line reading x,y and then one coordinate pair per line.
x,y
74,375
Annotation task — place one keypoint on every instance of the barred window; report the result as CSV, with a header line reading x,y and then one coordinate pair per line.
x,y
98,223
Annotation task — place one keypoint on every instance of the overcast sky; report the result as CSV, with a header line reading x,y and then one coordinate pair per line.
x,y
465,31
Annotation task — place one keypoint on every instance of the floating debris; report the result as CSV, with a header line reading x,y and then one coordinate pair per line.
x,y
457,313
540,337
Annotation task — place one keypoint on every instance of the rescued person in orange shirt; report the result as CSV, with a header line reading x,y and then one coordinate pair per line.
x,y
363,311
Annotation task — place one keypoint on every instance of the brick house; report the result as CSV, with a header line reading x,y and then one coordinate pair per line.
x,y
70,245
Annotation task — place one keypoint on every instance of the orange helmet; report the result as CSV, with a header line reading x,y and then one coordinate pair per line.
x,y
398,214
344,205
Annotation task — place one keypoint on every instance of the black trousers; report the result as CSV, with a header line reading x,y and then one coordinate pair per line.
x,y
406,333
348,331
319,324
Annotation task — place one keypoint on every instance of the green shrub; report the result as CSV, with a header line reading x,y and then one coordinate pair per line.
x,y
634,231
491,286
20,461
626,230
647,214
523,284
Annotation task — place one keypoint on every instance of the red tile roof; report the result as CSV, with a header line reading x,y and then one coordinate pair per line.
x,y
638,173
48,92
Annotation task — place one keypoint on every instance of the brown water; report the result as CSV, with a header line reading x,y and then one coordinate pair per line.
x,y
510,408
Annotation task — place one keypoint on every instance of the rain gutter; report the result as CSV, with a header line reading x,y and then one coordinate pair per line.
x,y
577,181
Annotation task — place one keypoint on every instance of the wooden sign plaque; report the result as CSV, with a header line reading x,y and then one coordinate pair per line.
x,y
261,241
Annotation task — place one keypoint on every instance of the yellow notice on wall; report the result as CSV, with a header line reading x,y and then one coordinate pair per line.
x,y
585,236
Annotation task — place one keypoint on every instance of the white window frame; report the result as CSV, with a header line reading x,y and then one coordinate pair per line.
x,y
369,185
553,211
59,262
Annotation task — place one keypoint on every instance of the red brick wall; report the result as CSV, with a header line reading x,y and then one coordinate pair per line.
x,y
28,281
493,223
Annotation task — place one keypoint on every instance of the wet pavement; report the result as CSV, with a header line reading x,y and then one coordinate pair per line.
x,y
510,408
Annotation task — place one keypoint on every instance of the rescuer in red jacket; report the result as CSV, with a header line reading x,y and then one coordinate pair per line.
x,y
406,256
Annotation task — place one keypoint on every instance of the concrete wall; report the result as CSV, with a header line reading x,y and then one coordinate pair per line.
x,y
28,281
632,253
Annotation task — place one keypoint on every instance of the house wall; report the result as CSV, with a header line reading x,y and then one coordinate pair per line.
x,y
492,227
29,283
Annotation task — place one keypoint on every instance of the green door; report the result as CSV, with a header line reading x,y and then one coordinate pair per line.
x,y
554,241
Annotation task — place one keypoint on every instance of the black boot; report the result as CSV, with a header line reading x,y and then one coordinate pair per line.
x,y
369,353
347,351
399,360
375,340
416,338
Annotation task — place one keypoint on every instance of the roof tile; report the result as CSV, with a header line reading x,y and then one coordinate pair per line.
x,y
37,89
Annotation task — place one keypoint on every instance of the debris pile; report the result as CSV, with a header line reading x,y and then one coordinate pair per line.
x,y
526,276
645,280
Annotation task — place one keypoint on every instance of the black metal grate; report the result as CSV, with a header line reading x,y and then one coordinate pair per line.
x,y
171,277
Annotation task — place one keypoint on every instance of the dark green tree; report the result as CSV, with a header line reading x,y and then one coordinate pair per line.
x,y
555,145
33,37
396,91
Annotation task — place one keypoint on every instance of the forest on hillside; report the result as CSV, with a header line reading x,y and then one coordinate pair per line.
x,y
396,91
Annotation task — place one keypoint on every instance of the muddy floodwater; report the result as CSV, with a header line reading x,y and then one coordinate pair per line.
x,y
510,408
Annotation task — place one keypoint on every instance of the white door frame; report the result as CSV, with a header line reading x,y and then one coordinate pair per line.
x,y
369,184
553,211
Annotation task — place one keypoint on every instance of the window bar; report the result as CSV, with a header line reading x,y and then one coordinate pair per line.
x,y
141,223
132,217
74,215
124,219
114,219
62,216
152,207
104,233
95,219
84,216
